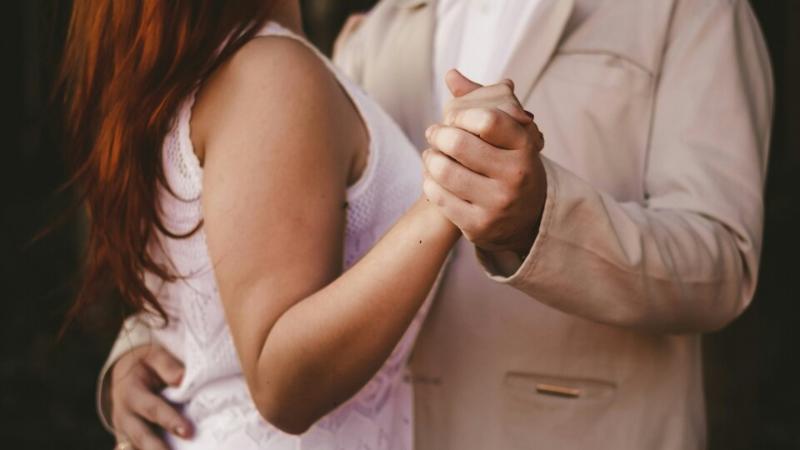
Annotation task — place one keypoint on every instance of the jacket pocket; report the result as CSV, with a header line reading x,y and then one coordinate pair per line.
x,y
539,406
595,112
428,408
601,68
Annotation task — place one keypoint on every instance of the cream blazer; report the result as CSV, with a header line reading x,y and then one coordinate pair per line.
x,y
656,116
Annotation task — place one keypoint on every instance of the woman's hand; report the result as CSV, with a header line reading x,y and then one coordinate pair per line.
x,y
483,169
137,409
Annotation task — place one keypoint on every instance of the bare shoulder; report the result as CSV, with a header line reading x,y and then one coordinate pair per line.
x,y
274,85
278,62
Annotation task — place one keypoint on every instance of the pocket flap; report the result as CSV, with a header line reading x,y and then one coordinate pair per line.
x,y
532,384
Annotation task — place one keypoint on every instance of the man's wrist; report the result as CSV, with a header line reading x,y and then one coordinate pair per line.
x,y
524,249
506,260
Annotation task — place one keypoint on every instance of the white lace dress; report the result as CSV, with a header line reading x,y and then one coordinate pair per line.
x,y
213,393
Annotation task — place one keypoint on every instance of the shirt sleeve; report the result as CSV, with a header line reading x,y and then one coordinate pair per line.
x,y
685,258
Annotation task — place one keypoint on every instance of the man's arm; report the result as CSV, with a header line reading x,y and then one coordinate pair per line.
x,y
133,334
685,259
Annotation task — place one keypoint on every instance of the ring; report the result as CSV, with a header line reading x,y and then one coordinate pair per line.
x,y
124,445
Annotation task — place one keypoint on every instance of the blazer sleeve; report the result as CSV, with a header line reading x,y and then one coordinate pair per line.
x,y
685,258
350,57
134,333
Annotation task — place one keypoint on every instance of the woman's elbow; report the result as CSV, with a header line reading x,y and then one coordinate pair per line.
x,y
286,396
291,425
283,415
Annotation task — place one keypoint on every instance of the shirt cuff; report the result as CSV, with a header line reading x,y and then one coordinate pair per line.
x,y
506,267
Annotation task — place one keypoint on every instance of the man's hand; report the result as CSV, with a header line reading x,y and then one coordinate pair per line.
x,y
483,169
137,409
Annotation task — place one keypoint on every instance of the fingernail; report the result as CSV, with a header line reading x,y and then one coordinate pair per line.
x,y
180,431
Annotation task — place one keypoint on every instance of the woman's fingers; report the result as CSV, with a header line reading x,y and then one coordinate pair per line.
x,y
515,110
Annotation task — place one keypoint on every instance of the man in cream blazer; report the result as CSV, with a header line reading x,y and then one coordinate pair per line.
x,y
656,116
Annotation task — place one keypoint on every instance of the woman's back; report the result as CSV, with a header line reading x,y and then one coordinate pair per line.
x,y
214,389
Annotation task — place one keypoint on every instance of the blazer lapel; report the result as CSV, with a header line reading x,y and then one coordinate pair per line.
x,y
530,58
413,46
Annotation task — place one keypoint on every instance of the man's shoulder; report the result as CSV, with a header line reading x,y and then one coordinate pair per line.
x,y
367,42
690,11
387,11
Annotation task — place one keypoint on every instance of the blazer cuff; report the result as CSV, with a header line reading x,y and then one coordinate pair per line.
x,y
134,333
507,267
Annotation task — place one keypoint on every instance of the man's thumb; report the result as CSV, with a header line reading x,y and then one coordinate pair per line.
x,y
458,84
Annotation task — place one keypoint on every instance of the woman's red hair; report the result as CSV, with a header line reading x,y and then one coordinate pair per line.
x,y
128,65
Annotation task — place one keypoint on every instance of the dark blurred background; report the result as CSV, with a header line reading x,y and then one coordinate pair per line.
x,y
47,385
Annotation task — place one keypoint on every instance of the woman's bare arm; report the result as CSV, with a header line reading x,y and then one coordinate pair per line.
x,y
276,167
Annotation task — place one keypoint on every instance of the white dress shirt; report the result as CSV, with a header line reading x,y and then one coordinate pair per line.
x,y
477,37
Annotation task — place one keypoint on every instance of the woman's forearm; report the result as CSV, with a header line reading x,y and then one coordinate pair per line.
x,y
327,346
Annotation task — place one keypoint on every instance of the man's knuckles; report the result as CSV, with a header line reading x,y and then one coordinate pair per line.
x,y
516,178
504,200
484,221
488,120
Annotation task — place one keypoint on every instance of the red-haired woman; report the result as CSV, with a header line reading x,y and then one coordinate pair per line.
x,y
264,214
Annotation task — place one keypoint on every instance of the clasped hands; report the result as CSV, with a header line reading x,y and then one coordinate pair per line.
x,y
483,170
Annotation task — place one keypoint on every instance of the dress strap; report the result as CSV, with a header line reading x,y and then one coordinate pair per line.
x,y
182,168
364,106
